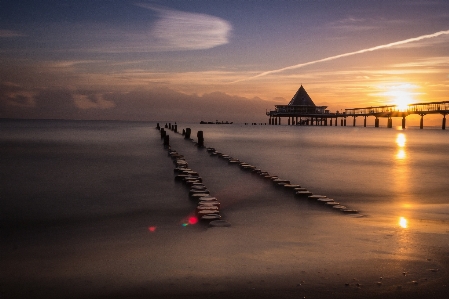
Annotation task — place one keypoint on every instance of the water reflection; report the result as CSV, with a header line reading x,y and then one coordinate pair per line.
x,y
400,155
403,222
401,178
400,141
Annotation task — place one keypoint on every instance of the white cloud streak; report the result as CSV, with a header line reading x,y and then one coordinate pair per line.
x,y
178,30
390,45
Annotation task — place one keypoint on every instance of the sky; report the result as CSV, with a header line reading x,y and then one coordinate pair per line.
x,y
217,60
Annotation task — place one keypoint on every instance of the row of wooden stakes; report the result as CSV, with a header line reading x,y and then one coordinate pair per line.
x,y
286,184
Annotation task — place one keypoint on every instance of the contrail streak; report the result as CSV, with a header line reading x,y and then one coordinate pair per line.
x,y
296,66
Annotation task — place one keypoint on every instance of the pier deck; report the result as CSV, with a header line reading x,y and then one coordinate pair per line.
x,y
387,111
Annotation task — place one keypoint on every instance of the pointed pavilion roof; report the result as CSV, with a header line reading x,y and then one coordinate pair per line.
x,y
301,98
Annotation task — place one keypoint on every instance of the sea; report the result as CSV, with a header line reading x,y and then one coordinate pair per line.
x,y
64,181
59,171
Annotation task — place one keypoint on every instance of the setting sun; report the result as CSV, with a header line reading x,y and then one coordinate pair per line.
x,y
401,95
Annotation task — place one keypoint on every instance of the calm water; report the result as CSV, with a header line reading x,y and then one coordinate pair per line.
x,y
67,171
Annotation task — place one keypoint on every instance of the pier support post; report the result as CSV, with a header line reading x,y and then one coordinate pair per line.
x,y
288,122
200,138
166,140
158,127
376,122
345,121
364,122
443,126
403,122
341,122
353,121
296,122
390,123
188,132
279,120
163,133
175,128
421,122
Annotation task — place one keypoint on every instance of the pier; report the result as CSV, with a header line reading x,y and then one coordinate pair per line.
x,y
302,111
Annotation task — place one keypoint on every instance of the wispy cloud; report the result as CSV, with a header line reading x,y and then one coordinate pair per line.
x,y
380,47
9,33
178,30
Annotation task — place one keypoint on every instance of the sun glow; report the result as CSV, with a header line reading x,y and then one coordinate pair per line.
x,y
403,222
401,95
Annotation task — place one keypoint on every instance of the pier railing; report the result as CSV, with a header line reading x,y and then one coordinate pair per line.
x,y
321,117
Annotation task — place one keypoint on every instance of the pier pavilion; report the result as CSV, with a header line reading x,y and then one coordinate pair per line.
x,y
301,110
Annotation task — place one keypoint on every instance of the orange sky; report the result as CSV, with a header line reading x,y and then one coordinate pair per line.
x,y
217,60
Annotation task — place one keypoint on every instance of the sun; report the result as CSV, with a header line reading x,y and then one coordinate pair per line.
x,y
401,95
401,99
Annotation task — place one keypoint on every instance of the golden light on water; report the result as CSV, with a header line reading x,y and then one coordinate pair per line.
x,y
400,154
403,222
400,140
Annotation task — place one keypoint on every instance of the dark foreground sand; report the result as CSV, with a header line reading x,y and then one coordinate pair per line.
x,y
270,251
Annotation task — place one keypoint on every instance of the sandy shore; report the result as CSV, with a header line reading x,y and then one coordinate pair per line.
x,y
281,251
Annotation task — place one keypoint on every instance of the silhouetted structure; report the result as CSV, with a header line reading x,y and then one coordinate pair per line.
x,y
301,110
300,106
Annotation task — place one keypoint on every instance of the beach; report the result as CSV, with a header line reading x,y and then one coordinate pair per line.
x,y
92,210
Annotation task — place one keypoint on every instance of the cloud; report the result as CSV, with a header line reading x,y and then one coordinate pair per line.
x,y
95,101
158,104
380,47
9,33
178,30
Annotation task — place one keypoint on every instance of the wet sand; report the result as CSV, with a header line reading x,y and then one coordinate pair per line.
x,y
283,251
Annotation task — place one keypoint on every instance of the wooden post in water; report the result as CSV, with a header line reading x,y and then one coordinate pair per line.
x,y
188,132
158,127
345,121
364,121
353,121
166,140
403,122
421,122
163,133
200,138
390,122
288,122
376,122
443,126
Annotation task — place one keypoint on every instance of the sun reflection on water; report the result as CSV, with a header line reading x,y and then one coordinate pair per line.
x,y
400,140
403,222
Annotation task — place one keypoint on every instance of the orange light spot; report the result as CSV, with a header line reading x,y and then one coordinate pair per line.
x,y
152,228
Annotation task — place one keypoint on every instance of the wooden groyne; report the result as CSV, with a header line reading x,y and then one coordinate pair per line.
x,y
387,111
208,207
